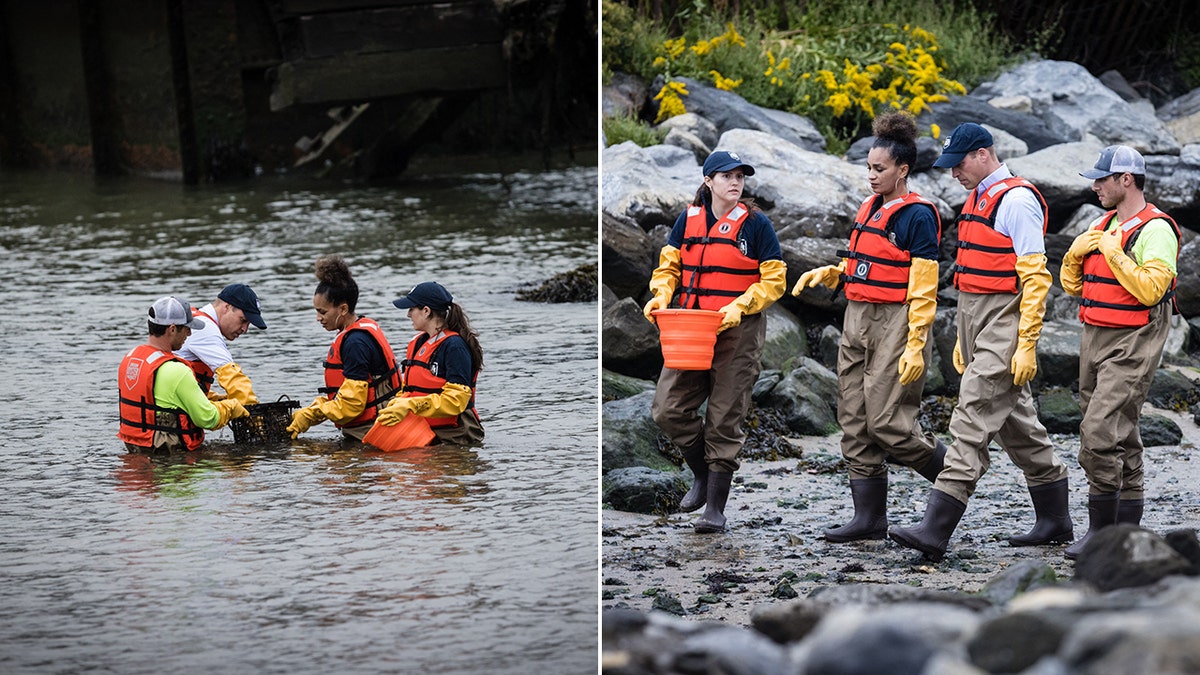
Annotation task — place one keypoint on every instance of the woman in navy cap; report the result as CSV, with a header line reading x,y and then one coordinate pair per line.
x,y
361,373
440,367
723,255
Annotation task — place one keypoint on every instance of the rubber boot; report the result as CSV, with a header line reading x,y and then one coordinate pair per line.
x,y
934,466
713,518
1102,512
1053,524
870,512
696,496
1130,511
932,535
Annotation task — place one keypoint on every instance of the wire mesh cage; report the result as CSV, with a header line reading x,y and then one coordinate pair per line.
x,y
266,424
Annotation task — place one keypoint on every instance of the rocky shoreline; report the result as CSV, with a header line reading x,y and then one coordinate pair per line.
x,y
764,577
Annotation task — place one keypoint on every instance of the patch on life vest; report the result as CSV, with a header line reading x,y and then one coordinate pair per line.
x,y
724,228
133,370
861,269
742,246
982,204
877,216
433,368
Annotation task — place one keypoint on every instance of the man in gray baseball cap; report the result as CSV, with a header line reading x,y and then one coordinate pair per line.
x,y
162,407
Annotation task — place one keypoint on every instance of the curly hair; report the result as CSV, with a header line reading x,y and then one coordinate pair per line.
x,y
335,282
896,132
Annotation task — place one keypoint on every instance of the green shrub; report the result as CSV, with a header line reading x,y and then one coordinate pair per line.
x,y
622,128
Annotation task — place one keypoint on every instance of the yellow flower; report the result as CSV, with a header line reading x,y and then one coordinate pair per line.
x,y
724,83
659,62
701,48
935,131
732,36
674,48
669,103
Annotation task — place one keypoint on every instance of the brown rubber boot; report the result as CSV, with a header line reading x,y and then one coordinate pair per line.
x,y
934,466
870,512
1102,512
698,494
1130,511
932,535
713,518
1053,524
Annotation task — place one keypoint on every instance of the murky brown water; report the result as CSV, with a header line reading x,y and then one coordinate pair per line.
x,y
312,557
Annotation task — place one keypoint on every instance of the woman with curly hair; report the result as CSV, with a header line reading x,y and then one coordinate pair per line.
x,y
890,277
361,373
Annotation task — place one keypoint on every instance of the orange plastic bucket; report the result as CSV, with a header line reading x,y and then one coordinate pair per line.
x,y
411,432
687,337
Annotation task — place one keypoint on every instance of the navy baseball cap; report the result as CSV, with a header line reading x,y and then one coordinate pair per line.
x,y
240,296
1117,159
967,136
722,160
429,294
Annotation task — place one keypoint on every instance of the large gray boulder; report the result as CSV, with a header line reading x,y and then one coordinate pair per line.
x,y
728,111
648,185
628,256
805,193
629,342
630,435
1071,100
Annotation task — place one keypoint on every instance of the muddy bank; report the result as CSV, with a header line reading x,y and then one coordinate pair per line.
x,y
778,508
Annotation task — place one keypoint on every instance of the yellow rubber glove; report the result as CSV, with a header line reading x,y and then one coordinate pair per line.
x,y
664,280
922,304
214,396
1147,282
349,402
657,302
305,417
236,383
771,285
829,276
957,358
1035,284
1070,275
229,409
450,402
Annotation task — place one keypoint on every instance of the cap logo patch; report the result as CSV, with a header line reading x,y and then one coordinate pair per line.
x,y
946,143
734,157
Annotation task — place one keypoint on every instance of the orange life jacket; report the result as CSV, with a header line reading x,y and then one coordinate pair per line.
x,y
877,269
419,378
204,375
380,389
1105,301
986,261
139,415
713,268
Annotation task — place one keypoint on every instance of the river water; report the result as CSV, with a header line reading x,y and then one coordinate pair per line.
x,y
314,556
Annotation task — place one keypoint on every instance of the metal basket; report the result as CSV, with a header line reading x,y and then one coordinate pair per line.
x,y
266,424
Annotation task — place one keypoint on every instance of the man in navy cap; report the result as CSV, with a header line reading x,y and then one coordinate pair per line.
x,y
1002,282
1124,267
207,350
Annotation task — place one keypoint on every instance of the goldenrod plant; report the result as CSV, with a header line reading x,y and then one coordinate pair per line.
x,y
840,64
